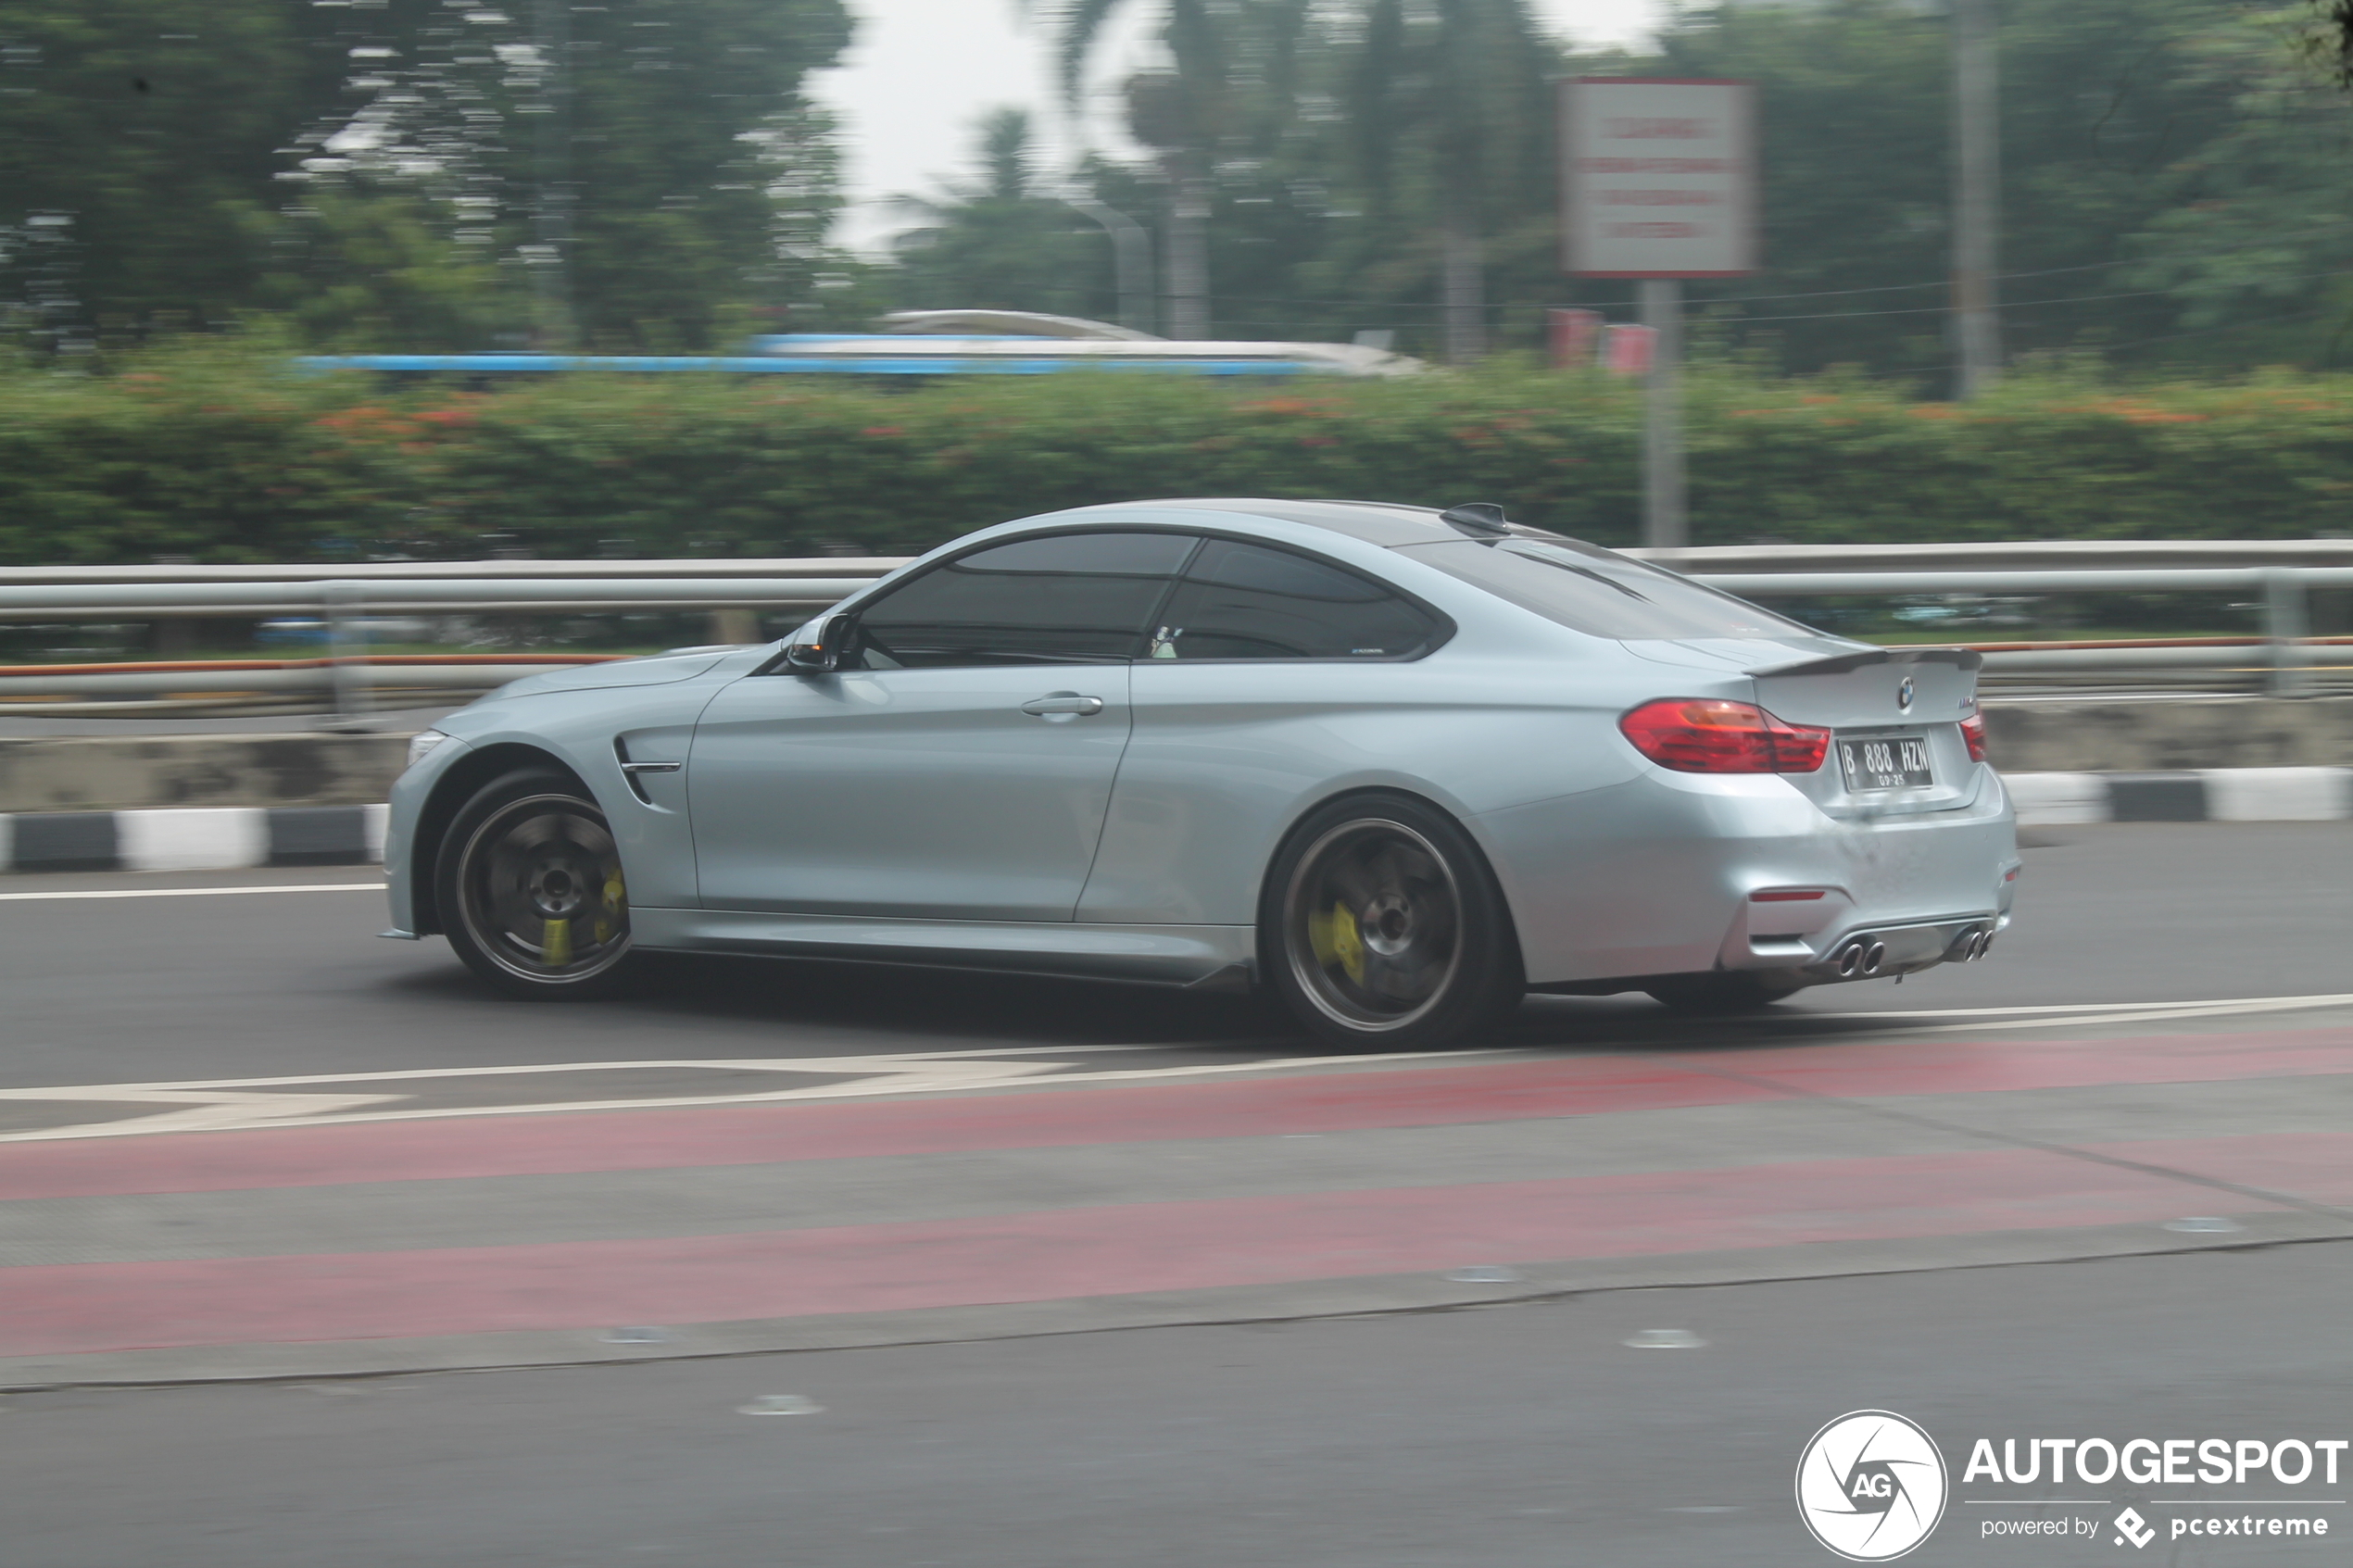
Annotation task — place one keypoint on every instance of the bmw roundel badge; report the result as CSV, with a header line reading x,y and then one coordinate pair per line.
x,y
1903,693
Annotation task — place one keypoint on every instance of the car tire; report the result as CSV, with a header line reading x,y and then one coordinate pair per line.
x,y
1724,993
1383,928
530,886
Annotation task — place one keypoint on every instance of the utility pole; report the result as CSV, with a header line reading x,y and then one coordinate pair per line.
x,y
1666,522
1977,184
1188,271
551,220
1131,251
1465,311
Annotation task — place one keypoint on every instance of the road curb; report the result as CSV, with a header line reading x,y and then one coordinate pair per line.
x,y
2205,795
1345,1296
198,839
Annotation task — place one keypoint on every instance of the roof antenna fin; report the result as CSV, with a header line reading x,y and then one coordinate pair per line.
x,y
1480,519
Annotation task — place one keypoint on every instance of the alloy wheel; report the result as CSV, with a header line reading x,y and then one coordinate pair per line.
x,y
1372,925
541,893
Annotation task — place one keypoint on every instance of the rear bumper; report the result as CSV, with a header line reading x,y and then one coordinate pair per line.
x,y
1654,877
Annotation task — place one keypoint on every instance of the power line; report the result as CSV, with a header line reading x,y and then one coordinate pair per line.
x,y
2018,303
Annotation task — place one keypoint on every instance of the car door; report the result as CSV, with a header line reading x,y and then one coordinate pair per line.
x,y
958,766
1268,671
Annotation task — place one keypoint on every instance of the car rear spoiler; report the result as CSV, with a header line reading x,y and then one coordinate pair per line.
x,y
1838,663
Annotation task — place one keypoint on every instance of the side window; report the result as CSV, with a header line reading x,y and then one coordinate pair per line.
x,y
1067,599
1244,601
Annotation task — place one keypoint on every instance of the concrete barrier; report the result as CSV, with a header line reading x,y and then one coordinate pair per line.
x,y
142,773
2152,735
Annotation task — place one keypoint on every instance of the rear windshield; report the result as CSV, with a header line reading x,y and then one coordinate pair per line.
x,y
1591,590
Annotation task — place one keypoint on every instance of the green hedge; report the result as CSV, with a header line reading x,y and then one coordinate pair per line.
x,y
221,453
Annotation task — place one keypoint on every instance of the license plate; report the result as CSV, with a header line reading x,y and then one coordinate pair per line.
x,y
1885,762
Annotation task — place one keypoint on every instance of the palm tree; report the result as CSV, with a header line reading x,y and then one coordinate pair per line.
x,y
1197,112
1000,243
1457,89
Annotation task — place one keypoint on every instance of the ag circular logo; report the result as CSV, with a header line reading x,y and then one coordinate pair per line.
x,y
1870,1485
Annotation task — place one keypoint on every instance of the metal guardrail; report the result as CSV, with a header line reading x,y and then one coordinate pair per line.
x,y
2281,573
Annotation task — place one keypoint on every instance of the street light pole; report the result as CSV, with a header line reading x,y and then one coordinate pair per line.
x,y
1131,250
1977,171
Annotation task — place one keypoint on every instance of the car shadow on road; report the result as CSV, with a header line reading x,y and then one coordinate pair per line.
x,y
793,1005
898,1007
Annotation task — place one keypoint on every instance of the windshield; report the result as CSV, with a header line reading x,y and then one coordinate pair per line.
x,y
1600,593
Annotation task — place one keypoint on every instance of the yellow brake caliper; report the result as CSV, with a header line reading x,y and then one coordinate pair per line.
x,y
1335,938
616,898
555,943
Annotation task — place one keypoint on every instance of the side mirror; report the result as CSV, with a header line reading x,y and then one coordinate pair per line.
x,y
820,651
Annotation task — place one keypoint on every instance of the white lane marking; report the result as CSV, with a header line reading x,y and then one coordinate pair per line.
x,y
2128,1012
877,1077
196,892
227,1104
218,1104
2097,1007
203,1110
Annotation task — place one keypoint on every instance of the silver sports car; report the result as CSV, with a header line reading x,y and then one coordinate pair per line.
x,y
1396,766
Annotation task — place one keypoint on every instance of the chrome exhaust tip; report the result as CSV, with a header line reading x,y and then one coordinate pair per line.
x,y
1850,959
1876,956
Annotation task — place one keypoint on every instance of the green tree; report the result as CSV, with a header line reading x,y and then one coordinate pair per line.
x,y
138,138
1451,116
1214,116
2159,160
637,169
2253,246
201,156
1853,109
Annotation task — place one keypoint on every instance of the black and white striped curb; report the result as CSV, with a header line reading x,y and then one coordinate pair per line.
x,y
231,838
216,838
2207,795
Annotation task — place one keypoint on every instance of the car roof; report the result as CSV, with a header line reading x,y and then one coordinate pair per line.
x,y
1376,522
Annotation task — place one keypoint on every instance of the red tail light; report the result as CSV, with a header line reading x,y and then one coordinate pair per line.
x,y
1973,735
1711,736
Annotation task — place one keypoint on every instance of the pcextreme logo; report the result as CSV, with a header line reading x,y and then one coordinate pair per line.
x,y
1870,1485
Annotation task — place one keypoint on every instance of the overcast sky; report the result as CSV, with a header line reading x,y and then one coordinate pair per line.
x,y
921,72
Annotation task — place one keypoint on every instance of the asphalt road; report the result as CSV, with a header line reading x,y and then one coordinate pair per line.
x,y
121,990
1514,1431
1521,1436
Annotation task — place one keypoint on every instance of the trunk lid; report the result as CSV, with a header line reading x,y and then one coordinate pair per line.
x,y
1860,695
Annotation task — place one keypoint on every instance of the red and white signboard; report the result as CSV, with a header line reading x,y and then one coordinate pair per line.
x,y
1658,178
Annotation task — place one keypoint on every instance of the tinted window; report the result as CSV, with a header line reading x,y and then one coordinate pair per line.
x,y
1242,601
1071,598
1607,595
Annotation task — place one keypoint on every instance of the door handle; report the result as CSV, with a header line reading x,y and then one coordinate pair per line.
x,y
1063,702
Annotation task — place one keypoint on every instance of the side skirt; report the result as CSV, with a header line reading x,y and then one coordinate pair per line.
x,y
1212,957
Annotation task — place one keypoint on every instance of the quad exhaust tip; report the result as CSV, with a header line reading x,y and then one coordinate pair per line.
x,y
1862,959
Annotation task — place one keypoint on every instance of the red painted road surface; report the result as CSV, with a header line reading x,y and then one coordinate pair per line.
x,y
1155,1244
657,1140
